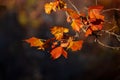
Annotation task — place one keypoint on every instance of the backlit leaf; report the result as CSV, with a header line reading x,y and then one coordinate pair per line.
x,y
77,45
57,52
35,42
52,6
94,13
88,32
58,32
74,45
76,25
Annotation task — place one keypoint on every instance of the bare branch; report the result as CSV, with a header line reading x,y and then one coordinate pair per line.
x,y
74,7
112,28
96,2
110,10
104,45
112,33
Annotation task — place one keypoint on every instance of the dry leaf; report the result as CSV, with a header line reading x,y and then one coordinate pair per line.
x,y
57,52
88,32
76,25
77,45
58,32
94,13
52,6
35,42
74,45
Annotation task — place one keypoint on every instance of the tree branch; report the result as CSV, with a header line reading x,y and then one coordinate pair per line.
x,y
104,45
77,12
112,33
96,2
74,6
110,10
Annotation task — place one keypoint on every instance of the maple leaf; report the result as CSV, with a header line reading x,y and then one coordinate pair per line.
x,y
74,45
35,42
57,52
88,32
93,28
52,6
94,13
58,32
77,45
76,25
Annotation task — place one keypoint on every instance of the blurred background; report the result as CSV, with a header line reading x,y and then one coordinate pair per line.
x,y
22,19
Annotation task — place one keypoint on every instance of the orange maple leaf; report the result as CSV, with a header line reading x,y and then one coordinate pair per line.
x,y
52,6
93,28
74,45
77,45
94,13
88,32
57,52
76,25
35,42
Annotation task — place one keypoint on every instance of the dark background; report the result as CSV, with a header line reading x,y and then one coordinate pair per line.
x,y
22,19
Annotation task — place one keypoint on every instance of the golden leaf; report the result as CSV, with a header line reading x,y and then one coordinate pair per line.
x,y
35,42
70,41
74,45
77,45
58,32
76,25
52,6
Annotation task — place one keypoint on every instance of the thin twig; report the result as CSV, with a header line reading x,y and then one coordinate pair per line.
x,y
112,28
112,33
110,10
104,45
74,7
96,2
